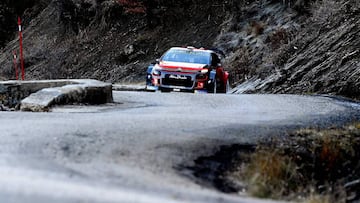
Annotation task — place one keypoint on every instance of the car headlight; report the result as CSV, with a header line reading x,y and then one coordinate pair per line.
x,y
204,70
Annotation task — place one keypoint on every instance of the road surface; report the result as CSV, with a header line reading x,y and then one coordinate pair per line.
x,y
130,151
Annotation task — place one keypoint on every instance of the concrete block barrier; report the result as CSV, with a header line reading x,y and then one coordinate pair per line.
x,y
39,96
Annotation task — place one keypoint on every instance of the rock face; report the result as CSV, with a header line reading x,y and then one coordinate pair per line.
x,y
271,46
324,57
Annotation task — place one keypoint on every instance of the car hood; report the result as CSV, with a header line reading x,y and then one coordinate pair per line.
x,y
179,66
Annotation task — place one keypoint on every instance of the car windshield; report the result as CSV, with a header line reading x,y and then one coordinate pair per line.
x,y
187,56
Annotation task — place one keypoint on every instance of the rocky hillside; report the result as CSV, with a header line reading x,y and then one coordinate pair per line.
x,y
320,55
271,46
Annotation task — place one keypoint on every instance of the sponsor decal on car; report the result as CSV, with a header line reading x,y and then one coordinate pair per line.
x,y
178,77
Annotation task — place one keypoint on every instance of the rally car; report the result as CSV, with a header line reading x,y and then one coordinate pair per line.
x,y
188,69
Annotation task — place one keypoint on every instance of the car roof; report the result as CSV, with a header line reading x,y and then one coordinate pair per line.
x,y
192,49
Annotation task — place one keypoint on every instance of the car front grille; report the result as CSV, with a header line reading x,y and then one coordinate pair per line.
x,y
177,80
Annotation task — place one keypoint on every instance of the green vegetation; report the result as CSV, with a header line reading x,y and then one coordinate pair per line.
x,y
311,166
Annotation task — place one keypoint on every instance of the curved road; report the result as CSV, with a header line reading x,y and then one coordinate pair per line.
x,y
130,151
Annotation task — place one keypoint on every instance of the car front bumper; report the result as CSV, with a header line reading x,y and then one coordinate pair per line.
x,y
180,81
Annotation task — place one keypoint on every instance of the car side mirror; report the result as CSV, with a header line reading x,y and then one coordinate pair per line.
x,y
215,62
216,65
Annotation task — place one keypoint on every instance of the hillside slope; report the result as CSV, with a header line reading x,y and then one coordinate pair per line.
x,y
272,46
322,57
109,40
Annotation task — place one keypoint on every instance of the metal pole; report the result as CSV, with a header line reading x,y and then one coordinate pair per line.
x,y
15,66
21,50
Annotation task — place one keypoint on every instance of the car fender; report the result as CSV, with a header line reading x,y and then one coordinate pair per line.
x,y
226,76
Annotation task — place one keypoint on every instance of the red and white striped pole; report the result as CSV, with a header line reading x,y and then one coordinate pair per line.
x,y
15,66
21,50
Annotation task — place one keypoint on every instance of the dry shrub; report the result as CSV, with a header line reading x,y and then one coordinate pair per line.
x,y
278,38
330,155
333,194
316,165
239,64
133,6
318,199
256,28
271,174
330,151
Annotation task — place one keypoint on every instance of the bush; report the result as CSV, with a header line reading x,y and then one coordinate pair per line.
x,y
317,165
271,174
133,6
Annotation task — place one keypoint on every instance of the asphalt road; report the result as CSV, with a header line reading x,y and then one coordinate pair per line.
x,y
131,151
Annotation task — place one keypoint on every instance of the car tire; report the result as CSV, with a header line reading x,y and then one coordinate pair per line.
x,y
166,90
149,89
213,87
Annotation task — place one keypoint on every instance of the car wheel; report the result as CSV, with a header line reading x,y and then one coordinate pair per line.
x,y
150,88
213,87
165,90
